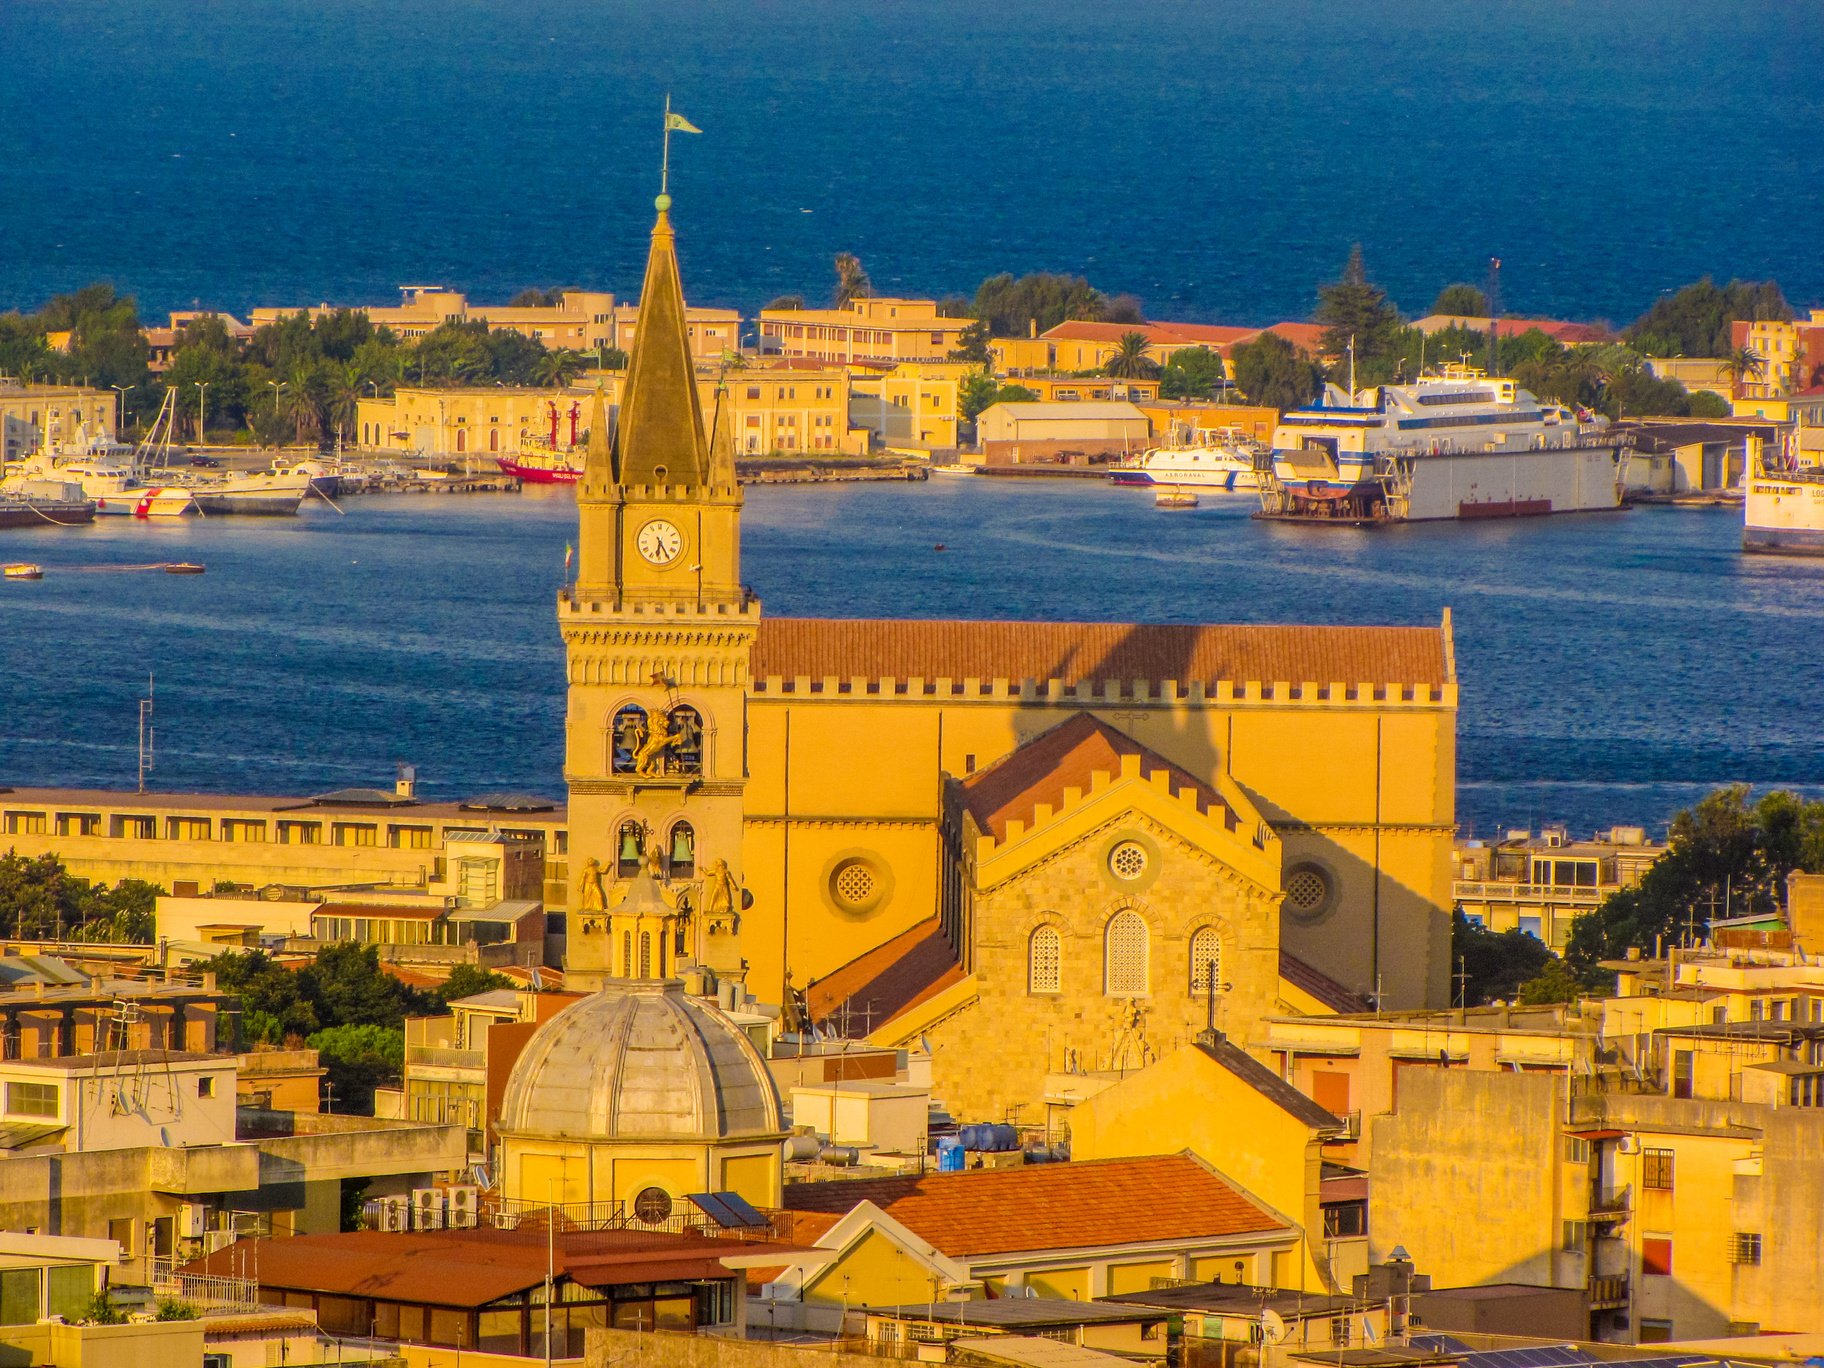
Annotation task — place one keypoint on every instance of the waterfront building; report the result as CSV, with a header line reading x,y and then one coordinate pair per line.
x,y
1076,347
914,404
1542,884
1253,421
1068,433
802,788
1095,388
580,321
786,407
867,329
1691,456
475,421
1790,358
34,416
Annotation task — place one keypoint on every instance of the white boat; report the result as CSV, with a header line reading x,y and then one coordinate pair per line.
x,y
1457,444
1195,457
955,468
323,472
1784,510
267,493
106,477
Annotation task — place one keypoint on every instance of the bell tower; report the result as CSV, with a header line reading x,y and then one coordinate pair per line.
x,y
658,631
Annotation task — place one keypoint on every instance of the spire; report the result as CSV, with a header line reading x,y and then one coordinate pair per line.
x,y
722,439
598,459
660,440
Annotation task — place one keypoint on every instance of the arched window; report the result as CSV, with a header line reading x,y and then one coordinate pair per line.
x,y
493,439
629,850
626,954
1124,968
687,749
1044,957
645,954
626,733
462,439
1206,961
683,847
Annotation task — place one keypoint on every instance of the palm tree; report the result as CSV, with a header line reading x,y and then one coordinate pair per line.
x,y
555,369
851,281
1744,364
301,401
344,399
1129,360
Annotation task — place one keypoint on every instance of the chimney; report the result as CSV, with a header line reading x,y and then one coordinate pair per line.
x,y
406,785
1035,327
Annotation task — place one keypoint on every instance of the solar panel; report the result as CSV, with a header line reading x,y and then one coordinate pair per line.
x,y
727,1209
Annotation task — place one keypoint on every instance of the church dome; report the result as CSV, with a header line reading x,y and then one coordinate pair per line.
x,y
640,1060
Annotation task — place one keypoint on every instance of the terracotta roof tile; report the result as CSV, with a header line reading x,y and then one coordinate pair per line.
x,y
1052,1206
887,981
1067,756
1096,652
1159,334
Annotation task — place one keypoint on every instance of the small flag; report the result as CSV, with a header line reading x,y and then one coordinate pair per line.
x,y
569,554
677,123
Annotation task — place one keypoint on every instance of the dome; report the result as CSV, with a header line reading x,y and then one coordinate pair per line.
x,y
639,1060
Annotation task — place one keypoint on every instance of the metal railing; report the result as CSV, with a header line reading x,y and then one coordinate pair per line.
x,y
445,1057
1579,895
203,1289
1613,1201
1608,1291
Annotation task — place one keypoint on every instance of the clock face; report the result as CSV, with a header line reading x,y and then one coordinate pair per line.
x,y
660,542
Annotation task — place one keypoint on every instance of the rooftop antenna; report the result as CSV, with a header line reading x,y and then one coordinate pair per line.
x,y
146,736
1494,315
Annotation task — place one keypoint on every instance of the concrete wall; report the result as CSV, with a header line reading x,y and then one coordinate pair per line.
x,y
666,1349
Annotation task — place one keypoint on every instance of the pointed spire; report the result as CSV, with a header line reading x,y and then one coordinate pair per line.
x,y
722,439
660,440
599,474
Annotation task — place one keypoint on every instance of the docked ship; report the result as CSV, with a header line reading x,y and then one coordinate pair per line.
x,y
1457,444
1784,509
267,493
1195,458
45,503
106,473
540,467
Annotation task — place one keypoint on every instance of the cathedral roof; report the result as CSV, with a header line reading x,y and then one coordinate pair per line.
x,y
660,437
640,1060
1066,757
887,981
1099,652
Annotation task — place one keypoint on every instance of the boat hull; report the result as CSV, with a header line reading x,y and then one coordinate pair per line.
x,y
261,504
1784,515
154,502
46,512
539,474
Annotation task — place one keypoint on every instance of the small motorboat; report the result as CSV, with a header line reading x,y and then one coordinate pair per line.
x,y
183,568
23,570
1174,498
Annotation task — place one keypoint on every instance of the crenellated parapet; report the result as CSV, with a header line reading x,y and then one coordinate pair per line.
x,y
1137,693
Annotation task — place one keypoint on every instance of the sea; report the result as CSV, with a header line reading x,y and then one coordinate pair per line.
x,y
1214,157
1613,666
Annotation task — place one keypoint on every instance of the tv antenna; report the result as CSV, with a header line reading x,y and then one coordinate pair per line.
x,y
147,739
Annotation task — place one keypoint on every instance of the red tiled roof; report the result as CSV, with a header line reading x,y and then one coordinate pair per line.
x,y
887,981
1096,652
1064,757
381,911
1158,334
1052,1206
1309,336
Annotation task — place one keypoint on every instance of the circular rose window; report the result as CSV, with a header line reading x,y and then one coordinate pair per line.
x,y
1308,891
1128,860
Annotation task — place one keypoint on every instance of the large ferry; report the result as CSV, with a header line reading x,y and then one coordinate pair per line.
x,y
1455,444
1784,508
1196,458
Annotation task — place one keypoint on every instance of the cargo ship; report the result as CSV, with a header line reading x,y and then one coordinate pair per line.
x,y
1456,444
1784,510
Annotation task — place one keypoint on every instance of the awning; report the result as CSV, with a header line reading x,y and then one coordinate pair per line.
x,y
17,1134
1598,1134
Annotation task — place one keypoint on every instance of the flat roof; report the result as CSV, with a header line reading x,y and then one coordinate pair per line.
x,y
1033,1311
85,1063
1235,1299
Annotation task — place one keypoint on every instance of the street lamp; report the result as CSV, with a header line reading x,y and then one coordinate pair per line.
x,y
277,386
120,408
202,411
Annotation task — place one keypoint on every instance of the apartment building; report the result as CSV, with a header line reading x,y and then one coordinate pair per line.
x,y
32,416
872,329
914,404
1541,884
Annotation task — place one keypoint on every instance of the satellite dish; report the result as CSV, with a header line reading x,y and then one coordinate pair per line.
x,y
1272,1327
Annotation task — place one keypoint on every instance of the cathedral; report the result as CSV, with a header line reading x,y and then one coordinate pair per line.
x,y
1028,847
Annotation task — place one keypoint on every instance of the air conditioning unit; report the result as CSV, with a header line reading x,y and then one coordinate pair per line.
x,y
464,1204
506,1220
427,1208
393,1214
1628,1144
192,1221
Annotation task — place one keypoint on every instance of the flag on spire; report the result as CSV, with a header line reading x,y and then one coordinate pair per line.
x,y
677,123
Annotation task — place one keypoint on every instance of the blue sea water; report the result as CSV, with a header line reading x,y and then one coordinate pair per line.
x,y
1614,666
1216,159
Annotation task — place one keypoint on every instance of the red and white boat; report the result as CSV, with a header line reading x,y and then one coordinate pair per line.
x,y
537,467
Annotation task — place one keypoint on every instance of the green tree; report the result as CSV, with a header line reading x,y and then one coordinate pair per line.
x,y
1355,312
1493,964
851,280
1725,855
347,987
1460,301
1130,360
1124,308
1556,982
536,299
1041,301
452,353
1707,404
273,1004
1015,394
557,367
1271,371
1695,321
1743,364
1191,373
40,899
787,301
972,344
466,980
977,393
24,354
356,1060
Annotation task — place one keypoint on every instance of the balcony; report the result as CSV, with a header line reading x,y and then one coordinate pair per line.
x,y
1559,895
1611,1203
1608,1291
443,1057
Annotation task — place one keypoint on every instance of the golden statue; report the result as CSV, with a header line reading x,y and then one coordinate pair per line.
x,y
719,894
589,899
649,751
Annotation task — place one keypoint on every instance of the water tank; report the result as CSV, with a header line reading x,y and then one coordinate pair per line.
x,y
950,1155
801,1149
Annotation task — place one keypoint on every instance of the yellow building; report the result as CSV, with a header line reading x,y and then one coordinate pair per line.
x,y
789,407
490,420
916,403
871,329
1542,884
805,786
1250,420
582,320
1075,345
52,416
713,333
